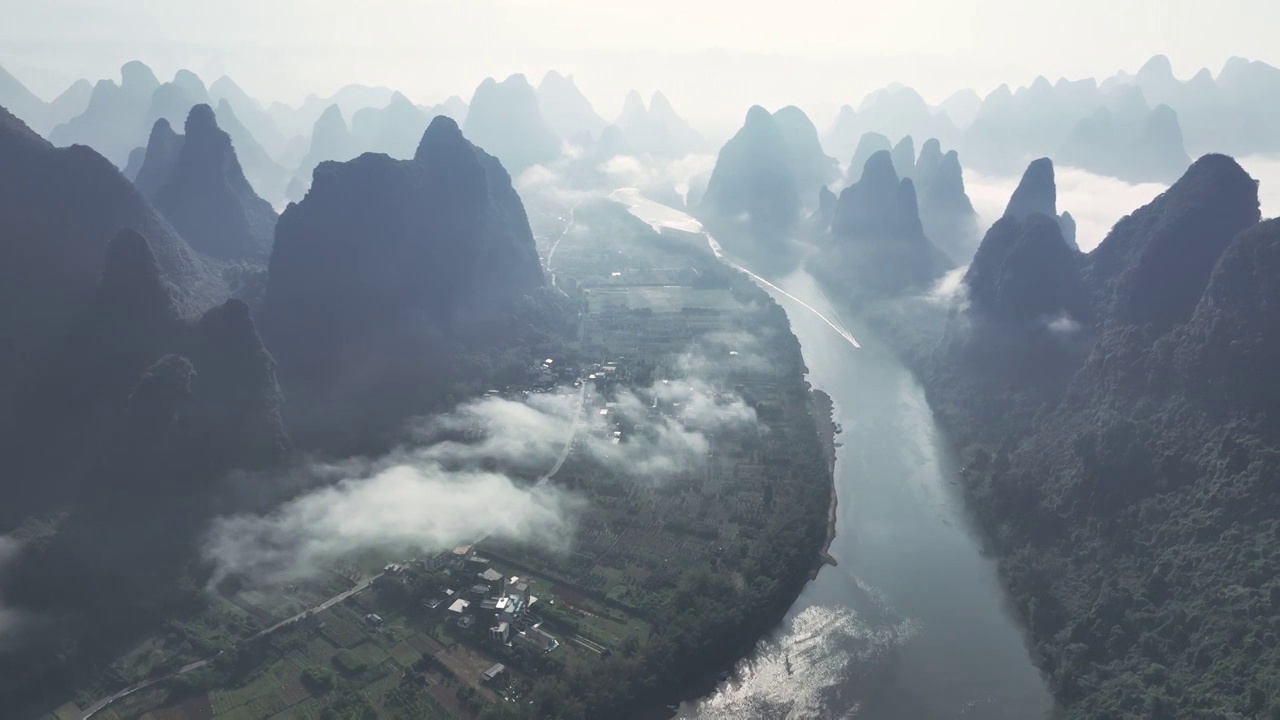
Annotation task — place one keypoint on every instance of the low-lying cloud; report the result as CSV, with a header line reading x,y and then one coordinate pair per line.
x,y
1063,324
1096,202
949,290
476,471
679,175
1266,170
13,622
473,473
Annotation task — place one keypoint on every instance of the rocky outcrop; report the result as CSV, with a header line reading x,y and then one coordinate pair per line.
x,y
208,199
384,271
505,119
1037,193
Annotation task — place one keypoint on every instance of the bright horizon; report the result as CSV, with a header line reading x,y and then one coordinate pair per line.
x,y
713,60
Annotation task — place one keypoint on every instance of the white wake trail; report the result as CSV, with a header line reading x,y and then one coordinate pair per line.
x,y
659,216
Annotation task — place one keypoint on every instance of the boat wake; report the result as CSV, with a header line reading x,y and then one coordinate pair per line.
x,y
660,216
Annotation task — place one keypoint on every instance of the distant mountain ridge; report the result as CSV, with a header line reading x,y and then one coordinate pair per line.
x,y
506,118
206,195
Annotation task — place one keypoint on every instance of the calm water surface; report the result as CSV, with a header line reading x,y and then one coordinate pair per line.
x,y
912,624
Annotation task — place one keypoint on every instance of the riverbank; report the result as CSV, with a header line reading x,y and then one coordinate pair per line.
x,y
824,416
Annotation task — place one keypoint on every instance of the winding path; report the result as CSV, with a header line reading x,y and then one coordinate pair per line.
x,y
555,245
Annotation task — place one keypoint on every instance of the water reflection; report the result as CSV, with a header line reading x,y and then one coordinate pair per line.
x,y
911,624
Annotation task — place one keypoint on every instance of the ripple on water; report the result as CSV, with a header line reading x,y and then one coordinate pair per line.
x,y
809,667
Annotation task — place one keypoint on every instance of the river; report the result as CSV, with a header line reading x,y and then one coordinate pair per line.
x,y
911,624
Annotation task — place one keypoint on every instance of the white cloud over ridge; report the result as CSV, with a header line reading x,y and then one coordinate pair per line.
x,y
1096,202
471,472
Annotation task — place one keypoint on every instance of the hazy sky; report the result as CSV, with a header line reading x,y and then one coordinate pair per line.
x,y
713,58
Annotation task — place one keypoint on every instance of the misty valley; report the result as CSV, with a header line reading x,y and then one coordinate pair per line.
x,y
495,408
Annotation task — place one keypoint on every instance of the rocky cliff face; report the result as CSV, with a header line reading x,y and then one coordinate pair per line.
x,y
504,117
385,270
208,199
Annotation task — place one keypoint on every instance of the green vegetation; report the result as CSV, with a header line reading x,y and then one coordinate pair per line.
x,y
1128,485
668,578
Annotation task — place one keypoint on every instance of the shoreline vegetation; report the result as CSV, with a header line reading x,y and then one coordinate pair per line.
x,y
824,413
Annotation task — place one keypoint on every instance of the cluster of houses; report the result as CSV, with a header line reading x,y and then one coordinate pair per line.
x,y
484,595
